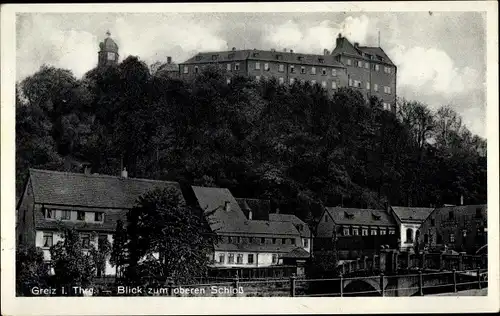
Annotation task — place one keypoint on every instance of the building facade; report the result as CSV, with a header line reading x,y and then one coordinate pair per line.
x,y
409,220
243,240
356,232
460,228
369,69
91,204
108,52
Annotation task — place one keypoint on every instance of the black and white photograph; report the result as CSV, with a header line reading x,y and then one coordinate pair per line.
x,y
246,150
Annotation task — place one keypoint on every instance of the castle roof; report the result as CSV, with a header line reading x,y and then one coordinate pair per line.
x,y
108,44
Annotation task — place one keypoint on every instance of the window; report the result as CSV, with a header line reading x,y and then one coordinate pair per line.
x,y
360,64
302,70
321,60
368,85
357,83
196,69
230,56
238,240
275,258
65,215
373,232
186,69
250,258
292,69
266,67
85,240
80,215
302,81
426,238
214,57
392,232
48,240
199,57
387,90
409,235
283,241
279,57
364,232
326,218
98,216
274,241
257,66
375,87
382,232
451,215
334,85
230,258
433,221
323,71
262,240
346,231
306,243
292,240
292,81
313,70
48,213
323,84
300,58
387,70
255,54
377,67
387,106
257,78
111,56
334,72
101,241
313,82
230,239
355,232
350,82
367,65
281,80
228,67
281,68
222,258
239,259
237,66
349,62
228,80
452,238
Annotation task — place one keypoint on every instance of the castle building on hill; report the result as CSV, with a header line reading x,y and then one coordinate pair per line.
x,y
108,52
364,68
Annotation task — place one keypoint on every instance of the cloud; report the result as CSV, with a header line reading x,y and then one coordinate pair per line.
x,y
433,70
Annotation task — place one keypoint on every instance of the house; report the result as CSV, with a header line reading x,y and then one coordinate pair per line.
x,y
243,240
302,227
460,228
92,204
409,220
355,232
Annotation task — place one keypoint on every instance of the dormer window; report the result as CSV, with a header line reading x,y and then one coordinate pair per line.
x,y
255,54
279,57
321,60
300,58
198,58
48,213
98,216
111,56
230,56
348,215
215,57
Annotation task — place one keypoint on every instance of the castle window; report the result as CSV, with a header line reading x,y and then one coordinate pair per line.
x,y
85,241
346,231
283,241
387,90
313,70
48,213
257,78
281,68
230,258
375,87
292,241
111,56
228,80
377,67
255,54
323,71
360,64
230,56
355,232
292,81
302,70
274,241
215,57
364,232
300,58
279,57
392,232
186,69
323,84
281,80
65,215
409,235
426,238
222,258
349,63
250,258
228,67
262,240
367,65
98,216
334,72
313,82
80,215
239,259
452,238
196,69
292,69
479,214
368,85
237,66
257,66
275,258
373,231
334,85
382,231
433,221
387,70
266,67
306,243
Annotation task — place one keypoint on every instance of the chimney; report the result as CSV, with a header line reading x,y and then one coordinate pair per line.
x,y
234,48
250,214
169,60
227,206
356,44
124,173
340,40
461,200
325,52
291,50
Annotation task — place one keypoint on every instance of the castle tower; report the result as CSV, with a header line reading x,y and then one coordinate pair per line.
x,y
108,53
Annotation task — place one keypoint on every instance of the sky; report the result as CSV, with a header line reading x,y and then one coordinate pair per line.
x,y
441,56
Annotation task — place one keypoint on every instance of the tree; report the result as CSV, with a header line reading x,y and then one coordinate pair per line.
x,y
73,266
167,239
118,255
31,270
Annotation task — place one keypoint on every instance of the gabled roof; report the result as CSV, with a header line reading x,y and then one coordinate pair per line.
x,y
460,210
345,46
264,55
297,253
98,191
301,226
376,51
412,213
234,221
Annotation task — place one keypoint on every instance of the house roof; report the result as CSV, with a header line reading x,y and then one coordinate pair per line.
x,y
298,253
376,51
468,210
99,191
412,213
255,248
345,46
168,67
260,208
264,55
353,216
301,226
234,221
